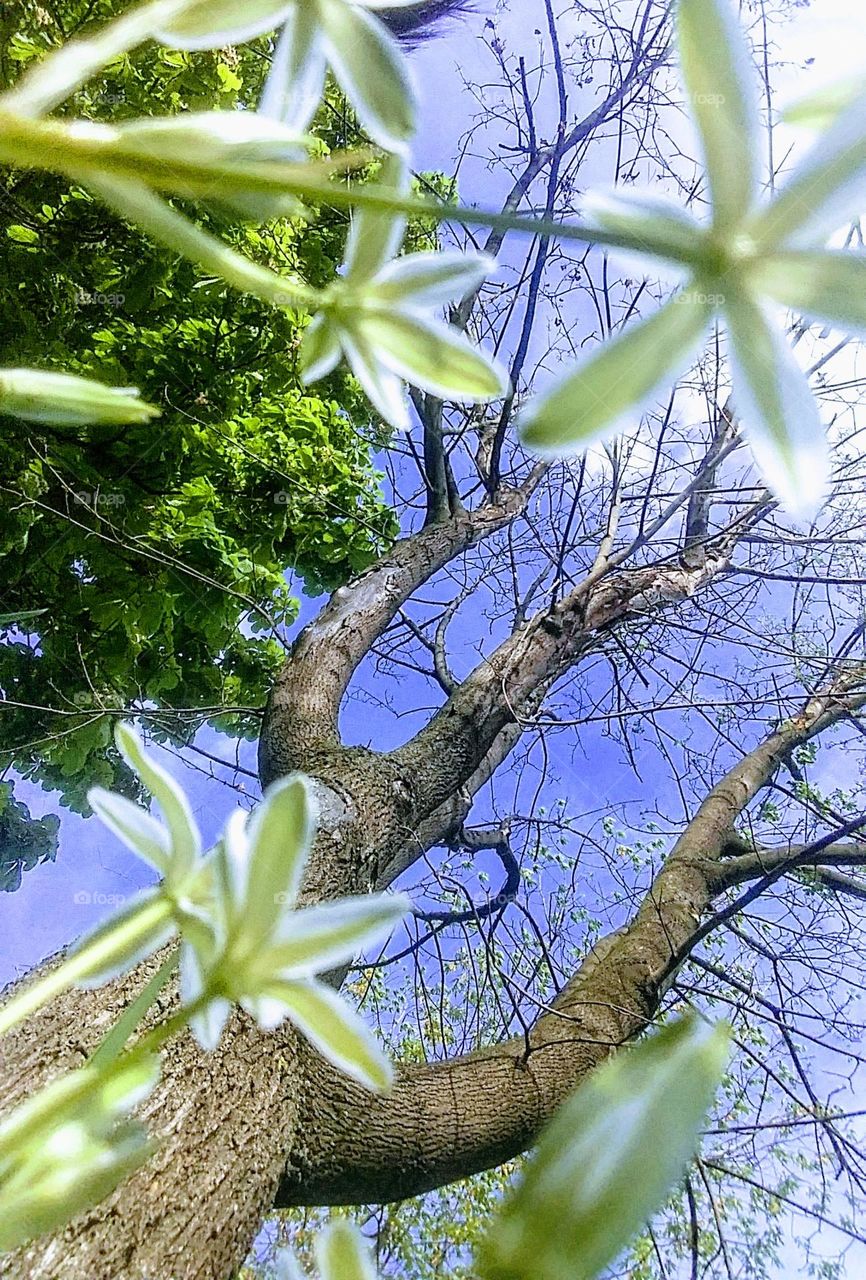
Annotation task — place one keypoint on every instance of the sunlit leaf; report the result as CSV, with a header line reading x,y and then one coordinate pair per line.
x,y
776,410
720,85
185,842
828,286
133,825
432,355
341,1253
592,401
432,279
317,939
372,72
335,1029
213,24
608,1159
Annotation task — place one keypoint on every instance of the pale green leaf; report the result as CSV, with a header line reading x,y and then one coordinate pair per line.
x,y
213,137
286,1266
431,279
609,1158
116,945
320,348
721,96
136,828
231,862
383,388
375,235
650,224
63,1149
280,833
776,411
826,189
296,80
65,400
48,1190
213,24
335,1029
341,1253
207,1024
828,286
318,938
185,841
371,71
592,401
432,355
822,108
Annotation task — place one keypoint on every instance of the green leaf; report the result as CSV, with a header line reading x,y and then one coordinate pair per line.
x,y
591,402
655,225
21,615
22,235
776,410
341,1253
318,938
431,279
821,109
296,80
826,189
136,828
320,348
432,355
720,83
608,1159
331,1025
185,842
375,235
280,833
116,945
372,72
213,24
829,285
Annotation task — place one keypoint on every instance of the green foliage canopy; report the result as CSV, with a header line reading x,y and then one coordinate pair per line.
x,y
159,550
